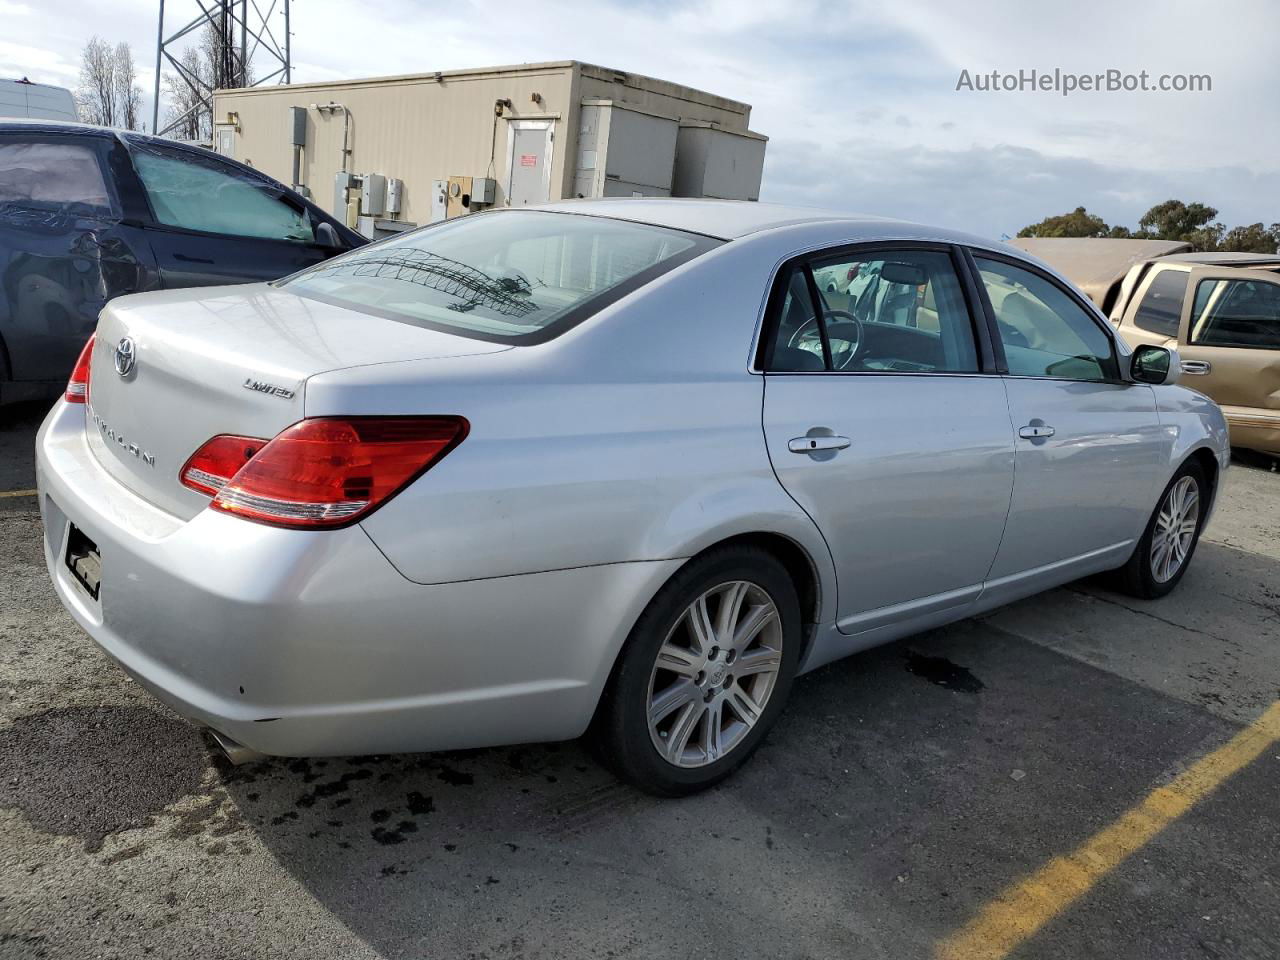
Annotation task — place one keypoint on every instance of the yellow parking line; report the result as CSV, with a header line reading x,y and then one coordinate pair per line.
x,y
17,493
1027,905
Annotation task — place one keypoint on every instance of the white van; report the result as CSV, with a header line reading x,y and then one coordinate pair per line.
x,y
38,101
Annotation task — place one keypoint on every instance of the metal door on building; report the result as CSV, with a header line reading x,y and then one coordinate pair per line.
x,y
529,162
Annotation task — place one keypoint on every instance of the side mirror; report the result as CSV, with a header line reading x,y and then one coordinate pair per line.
x,y
327,236
1155,365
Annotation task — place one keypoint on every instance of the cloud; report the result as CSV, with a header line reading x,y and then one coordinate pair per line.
x,y
37,63
997,189
857,97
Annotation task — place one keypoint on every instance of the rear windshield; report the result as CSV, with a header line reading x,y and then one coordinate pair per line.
x,y
507,276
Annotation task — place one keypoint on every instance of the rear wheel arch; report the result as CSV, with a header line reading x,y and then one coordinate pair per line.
x,y
799,566
795,559
621,730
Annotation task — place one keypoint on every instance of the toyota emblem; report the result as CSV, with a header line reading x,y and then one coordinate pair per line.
x,y
125,357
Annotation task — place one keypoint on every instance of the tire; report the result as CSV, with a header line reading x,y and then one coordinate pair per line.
x,y
695,684
1147,574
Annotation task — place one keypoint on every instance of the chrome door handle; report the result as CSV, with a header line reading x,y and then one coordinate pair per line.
x,y
817,444
1197,368
1035,431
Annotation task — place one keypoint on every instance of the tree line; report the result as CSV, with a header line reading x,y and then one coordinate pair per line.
x,y
109,95
1191,223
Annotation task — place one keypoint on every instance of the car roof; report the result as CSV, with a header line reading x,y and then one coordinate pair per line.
x,y
25,125
1225,259
731,219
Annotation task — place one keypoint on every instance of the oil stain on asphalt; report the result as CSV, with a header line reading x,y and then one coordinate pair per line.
x,y
943,672
54,772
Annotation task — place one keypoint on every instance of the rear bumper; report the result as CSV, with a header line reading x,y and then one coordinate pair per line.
x,y
1254,429
306,643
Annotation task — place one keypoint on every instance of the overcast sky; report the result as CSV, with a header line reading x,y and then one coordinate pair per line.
x,y
858,99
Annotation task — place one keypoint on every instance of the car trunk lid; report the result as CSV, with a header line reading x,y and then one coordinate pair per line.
x,y
230,360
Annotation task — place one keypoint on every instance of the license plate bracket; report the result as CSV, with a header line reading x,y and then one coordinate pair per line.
x,y
84,561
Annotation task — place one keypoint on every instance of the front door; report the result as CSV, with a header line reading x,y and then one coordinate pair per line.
x,y
1230,348
214,222
1089,446
529,162
883,427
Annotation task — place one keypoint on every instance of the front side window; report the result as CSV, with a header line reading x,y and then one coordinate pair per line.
x,y
1161,306
895,311
1044,331
1236,313
510,276
55,176
199,193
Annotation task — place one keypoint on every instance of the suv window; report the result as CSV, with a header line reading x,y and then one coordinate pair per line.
x,y
1161,306
53,176
1044,331
1236,313
887,311
198,193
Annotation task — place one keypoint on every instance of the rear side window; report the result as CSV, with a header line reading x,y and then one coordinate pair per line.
x,y
510,276
1045,333
1236,313
195,193
53,175
1161,306
883,311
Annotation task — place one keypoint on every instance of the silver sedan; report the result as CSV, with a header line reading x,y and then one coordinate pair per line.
x,y
610,466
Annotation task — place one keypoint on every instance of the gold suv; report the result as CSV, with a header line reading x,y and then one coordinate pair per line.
x,y
1221,311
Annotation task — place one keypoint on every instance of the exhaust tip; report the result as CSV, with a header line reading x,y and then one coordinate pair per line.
x,y
234,750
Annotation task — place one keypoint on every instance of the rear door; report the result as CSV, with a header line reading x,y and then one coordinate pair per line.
x,y
214,222
1090,448
884,421
1230,345
66,247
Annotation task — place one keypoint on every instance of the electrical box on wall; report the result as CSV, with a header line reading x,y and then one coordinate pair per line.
x,y
395,194
439,200
373,195
298,126
483,190
459,196
342,182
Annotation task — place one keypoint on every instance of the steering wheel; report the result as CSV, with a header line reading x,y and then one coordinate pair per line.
x,y
848,330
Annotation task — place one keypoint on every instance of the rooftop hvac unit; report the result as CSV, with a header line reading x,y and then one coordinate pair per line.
x,y
623,151
718,163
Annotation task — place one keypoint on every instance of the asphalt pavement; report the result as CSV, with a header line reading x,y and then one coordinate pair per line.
x,y
905,791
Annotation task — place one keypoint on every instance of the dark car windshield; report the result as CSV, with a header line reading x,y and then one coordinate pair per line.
x,y
509,276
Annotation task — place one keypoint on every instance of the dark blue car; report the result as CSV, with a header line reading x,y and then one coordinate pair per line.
x,y
87,214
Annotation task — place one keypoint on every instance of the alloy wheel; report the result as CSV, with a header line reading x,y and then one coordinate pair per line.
x,y
1175,529
714,674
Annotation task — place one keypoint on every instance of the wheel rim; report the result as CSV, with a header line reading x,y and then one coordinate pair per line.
x,y
1175,529
714,674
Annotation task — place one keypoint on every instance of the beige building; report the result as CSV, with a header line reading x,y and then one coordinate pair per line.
x,y
414,149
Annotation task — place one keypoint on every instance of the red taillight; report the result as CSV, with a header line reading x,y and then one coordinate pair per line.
x,y
218,461
324,472
78,385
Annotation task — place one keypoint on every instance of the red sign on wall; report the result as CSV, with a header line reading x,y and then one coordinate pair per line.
x,y
528,159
